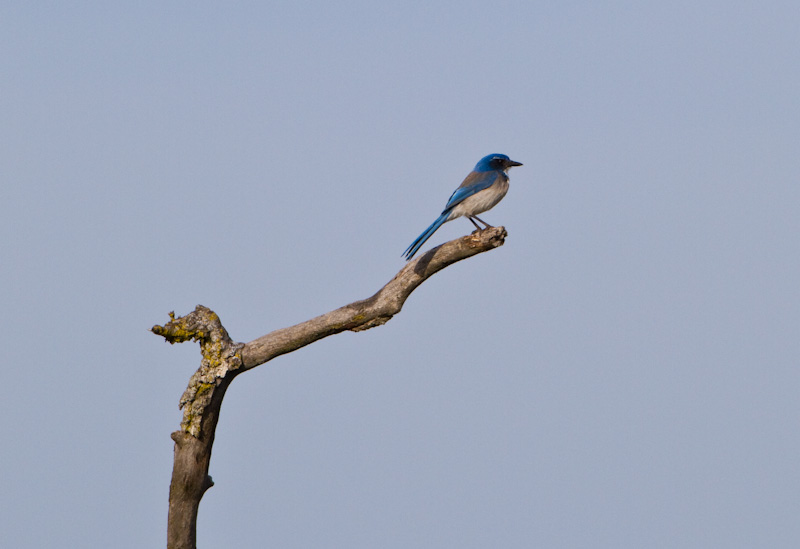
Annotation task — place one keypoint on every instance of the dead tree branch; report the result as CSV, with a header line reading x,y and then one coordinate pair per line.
x,y
223,359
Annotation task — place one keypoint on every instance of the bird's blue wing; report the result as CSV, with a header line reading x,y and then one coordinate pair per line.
x,y
474,183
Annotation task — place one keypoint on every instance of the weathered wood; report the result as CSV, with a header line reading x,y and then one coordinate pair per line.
x,y
375,310
223,359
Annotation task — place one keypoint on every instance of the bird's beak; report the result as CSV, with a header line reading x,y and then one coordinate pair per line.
x,y
512,163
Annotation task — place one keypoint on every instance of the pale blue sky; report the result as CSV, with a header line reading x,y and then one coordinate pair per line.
x,y
623,373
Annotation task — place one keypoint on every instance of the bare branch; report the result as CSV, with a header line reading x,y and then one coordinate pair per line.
x,y
375,310
223,359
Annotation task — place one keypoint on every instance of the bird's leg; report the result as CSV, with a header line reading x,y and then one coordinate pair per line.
x,y
473,222
482,221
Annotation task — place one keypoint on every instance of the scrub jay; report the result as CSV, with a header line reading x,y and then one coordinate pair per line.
x,y
481,191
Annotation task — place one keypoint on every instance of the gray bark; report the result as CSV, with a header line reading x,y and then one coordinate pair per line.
x,y
223,359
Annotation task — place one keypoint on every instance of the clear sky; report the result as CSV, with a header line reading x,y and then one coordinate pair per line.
x,y
623,373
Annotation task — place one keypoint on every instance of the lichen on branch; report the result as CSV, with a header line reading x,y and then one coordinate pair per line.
x,y
221,357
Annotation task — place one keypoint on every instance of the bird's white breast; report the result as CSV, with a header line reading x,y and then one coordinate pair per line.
x,y
482,201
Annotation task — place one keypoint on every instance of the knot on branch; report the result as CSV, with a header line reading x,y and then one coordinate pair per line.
x,y
371,323
221,357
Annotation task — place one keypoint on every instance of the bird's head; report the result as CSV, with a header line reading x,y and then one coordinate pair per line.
x,y
493,162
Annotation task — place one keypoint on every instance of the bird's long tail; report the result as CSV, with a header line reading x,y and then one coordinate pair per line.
x,y
417,244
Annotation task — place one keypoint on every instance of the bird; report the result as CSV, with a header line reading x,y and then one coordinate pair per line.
x,y
481,190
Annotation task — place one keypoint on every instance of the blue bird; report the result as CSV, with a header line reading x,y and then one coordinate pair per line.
x,y
482,189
